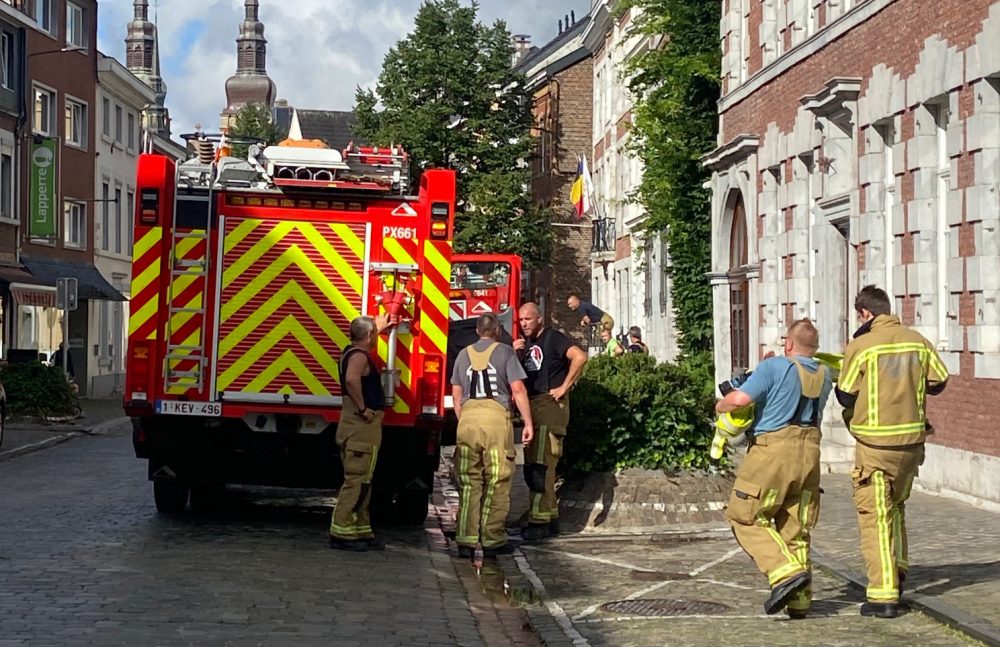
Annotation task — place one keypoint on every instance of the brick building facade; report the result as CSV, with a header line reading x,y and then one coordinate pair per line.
x,y
560,82
860,143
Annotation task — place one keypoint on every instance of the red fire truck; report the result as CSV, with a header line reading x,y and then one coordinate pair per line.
x,y
246,275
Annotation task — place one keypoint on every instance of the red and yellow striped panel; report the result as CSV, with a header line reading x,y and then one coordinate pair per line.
x,y
187,290
436,286
288,294
147,267
404,252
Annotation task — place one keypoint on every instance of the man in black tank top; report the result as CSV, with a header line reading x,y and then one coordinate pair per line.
x,y
552,362
359,436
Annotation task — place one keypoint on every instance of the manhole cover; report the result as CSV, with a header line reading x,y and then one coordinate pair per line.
x,y
664,607
657,576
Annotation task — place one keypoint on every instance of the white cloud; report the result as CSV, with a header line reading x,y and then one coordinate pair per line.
x,y
318,52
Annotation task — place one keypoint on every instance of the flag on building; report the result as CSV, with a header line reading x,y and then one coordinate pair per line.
x,y
580,192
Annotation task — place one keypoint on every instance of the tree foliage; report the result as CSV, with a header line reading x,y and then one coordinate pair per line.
x,y
253,123
448,94
676,86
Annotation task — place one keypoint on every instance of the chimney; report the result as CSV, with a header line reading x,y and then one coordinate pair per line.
x,y
560,26
522,45
566,22
572,17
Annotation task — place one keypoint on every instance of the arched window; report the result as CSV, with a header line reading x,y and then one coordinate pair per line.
x,y
739,289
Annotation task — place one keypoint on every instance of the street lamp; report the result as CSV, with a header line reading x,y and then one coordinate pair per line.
x,y
68,48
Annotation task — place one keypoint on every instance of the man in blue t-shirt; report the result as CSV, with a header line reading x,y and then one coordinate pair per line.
x,y
775,499
590,315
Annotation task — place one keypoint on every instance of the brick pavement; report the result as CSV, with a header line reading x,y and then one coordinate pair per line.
x,y
86,560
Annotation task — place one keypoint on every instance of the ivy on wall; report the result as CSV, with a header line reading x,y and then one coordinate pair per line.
x,y
676,87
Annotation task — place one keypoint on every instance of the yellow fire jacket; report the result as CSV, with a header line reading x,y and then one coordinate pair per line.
x,y
890,369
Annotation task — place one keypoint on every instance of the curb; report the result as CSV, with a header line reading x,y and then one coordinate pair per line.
x,y
973,626
34,447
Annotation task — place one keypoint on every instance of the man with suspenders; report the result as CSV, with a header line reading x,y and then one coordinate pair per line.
x,y
486,377
775,499
359,436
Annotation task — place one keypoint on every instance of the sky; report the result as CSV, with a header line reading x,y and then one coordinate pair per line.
x,y
318,51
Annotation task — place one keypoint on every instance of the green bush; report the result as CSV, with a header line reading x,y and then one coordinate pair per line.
x,y
36,390
631,411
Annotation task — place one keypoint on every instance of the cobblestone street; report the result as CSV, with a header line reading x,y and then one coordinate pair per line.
x,y
85,559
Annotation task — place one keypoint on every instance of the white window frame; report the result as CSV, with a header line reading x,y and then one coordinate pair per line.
x,y
130,121
7,181
942,118
105,214
119,122
7,61
72,138
74,233
45,16
106,117
887,131
76,19
50,129
129,218
118,218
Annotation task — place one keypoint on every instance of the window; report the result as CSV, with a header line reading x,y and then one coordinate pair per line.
x,y
106,116
739,290
118,124
76,123
118,220
105,218
131,131
7,61
76,33
887,130
76,225
129,214
45,114
7,184
43,15
941,115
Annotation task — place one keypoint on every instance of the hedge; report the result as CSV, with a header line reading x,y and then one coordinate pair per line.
x,y
36,390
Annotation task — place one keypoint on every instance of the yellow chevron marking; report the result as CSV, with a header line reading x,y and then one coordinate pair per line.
x,y
292,255
180,319
396,250
184,246
141,281
437,261
150,240
142,315
241,231
287,361
332,256
437,336
254,254
357,245
288,292
288,326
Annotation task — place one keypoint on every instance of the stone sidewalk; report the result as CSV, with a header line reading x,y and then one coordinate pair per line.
x,y
954,556
25,436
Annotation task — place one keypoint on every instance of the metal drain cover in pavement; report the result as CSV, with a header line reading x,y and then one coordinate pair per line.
x,y
664,607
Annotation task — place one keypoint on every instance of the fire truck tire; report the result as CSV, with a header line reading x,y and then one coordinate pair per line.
x,y
170,496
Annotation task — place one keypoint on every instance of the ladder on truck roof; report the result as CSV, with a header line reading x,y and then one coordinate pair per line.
x,y
179,353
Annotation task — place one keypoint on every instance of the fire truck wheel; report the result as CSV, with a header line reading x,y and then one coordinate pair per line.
x,y
170,496
411,508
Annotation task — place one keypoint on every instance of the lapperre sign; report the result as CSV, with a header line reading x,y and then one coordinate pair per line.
x,y
44,180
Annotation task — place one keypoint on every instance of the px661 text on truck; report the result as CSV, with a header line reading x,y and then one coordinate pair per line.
x,y
246,275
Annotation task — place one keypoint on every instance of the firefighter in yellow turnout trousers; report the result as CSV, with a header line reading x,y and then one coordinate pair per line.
x,y
486,377
552,363
888,370
359,436
775,499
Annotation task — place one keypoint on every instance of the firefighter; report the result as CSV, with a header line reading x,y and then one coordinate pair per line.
x,y
486,377
775,499
359,436
552,362
590,315
887,373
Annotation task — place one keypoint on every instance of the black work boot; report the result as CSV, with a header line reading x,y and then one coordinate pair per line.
x,y
466,552
374,543
880,609
553,528
493,551
353,545
535,532
781,593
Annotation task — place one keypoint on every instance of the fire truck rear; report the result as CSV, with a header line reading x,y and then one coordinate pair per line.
x,y
246,276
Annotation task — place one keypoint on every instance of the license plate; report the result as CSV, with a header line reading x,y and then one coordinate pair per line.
x,y
175,408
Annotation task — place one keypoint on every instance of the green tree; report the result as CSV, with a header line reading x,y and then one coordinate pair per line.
x,y
676,86
253,123
448,94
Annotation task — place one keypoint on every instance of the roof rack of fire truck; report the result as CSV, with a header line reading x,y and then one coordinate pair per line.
x,y
293,164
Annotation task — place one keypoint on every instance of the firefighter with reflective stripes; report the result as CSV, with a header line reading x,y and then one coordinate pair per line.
x,y
552,362
775,500
359,436
487,376
887,373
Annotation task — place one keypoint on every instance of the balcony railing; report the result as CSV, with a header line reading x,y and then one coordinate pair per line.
x,y
603,236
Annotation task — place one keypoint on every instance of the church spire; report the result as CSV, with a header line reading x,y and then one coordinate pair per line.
x,y
250,84
142,58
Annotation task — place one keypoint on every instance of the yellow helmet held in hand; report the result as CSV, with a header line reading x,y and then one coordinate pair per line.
x,y
730,425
